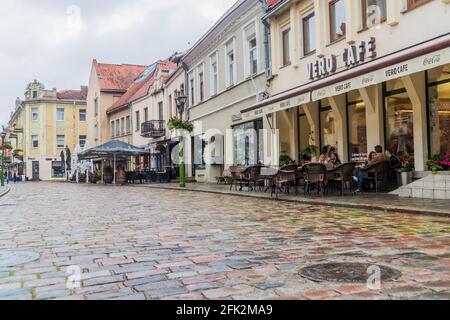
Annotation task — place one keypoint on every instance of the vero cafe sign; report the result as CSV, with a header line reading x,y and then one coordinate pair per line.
x,y
351,56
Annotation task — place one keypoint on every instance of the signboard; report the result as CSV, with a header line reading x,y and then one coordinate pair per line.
x,y
277,106
409,67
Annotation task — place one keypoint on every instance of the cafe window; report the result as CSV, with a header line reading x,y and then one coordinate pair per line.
x,y
337,20
399,120
357,127
286,46
328,122
309,34
248,144
439,110
306,136
373,12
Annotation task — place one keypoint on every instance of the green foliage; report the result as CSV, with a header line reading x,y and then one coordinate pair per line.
x,y
285,159
176,123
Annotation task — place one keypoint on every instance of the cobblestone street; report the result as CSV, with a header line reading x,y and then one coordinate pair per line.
x,y
142,243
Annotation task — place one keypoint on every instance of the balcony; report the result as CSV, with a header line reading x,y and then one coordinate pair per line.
x,y
153,129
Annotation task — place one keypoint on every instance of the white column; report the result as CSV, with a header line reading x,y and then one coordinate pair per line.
x,y
416,87
338,104
321,27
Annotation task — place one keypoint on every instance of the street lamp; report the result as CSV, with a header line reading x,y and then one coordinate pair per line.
x,y
180,101
2,173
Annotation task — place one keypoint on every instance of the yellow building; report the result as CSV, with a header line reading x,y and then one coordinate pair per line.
x,y
44,124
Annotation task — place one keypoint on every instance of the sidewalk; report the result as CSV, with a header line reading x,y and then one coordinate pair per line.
x,y
4,190
369,201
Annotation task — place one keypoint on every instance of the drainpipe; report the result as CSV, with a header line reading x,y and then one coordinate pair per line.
x,y
267,35
186,87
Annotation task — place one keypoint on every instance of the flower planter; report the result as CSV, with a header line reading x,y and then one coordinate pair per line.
x,y
404,177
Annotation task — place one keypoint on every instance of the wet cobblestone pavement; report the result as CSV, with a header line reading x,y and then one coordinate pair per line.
x,y
142,243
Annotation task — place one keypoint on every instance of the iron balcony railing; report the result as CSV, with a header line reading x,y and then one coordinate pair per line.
x,y
153,129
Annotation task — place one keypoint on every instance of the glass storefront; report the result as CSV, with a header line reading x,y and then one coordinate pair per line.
x,y
328,134
439,110
399,119
306,137
248,143
357,127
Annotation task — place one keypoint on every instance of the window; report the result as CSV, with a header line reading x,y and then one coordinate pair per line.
x,y
145,114
373,12
82,141
35,114
60,114
399,120
122,126
170,105
357,127
309,34
138,121
230,58
117,127
82,115
128,124
202,86
328,134
337,20
192,92
35,94
60,141
253,56
285,36
161,111
248,143
215,79
412,4
96,106
112,131
35,141
58,169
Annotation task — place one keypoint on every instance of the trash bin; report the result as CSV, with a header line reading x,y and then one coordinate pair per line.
x,y
404,177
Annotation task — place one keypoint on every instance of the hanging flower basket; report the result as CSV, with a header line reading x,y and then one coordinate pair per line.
x,y
176,123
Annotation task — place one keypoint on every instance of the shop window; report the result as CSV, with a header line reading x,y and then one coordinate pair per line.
x,y
399,121
58,169
337,20
309,34
248,143
373,12
357,128
439,110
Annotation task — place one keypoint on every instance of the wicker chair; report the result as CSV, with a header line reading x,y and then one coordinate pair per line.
x,y
252,177
342,174
283,180
236,176
224,178
377,172
315,174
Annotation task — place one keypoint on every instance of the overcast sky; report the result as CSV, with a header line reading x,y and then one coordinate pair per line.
x,y
54,41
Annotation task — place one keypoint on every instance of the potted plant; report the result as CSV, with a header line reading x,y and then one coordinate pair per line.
x,y
406,170
176,123
309,153
435,164
285,160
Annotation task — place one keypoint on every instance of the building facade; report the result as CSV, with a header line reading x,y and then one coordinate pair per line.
x,y
225,75
43,126
349,75
107,84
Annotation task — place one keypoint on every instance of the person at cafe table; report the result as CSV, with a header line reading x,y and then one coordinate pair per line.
x,y
379,157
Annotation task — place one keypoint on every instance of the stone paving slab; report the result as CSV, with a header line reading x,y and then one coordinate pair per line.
x,y
134,243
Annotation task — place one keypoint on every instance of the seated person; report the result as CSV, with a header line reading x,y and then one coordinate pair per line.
x,y
394,160
377,158
334,160
323,159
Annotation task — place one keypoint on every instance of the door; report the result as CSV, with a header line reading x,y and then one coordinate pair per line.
x,y
35,166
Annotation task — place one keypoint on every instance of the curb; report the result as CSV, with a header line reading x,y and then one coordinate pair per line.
x,y
8,189
392,209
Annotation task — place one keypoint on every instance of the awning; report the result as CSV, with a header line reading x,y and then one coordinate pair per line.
x,y
111,149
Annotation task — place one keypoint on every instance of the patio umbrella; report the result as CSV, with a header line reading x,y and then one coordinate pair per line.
x,y
112,150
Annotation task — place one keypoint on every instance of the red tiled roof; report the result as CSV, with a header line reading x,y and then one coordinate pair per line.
x,y
140,88
117,76
80,95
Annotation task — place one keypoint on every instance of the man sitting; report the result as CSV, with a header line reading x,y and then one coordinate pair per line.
x,y
394,160
379,157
